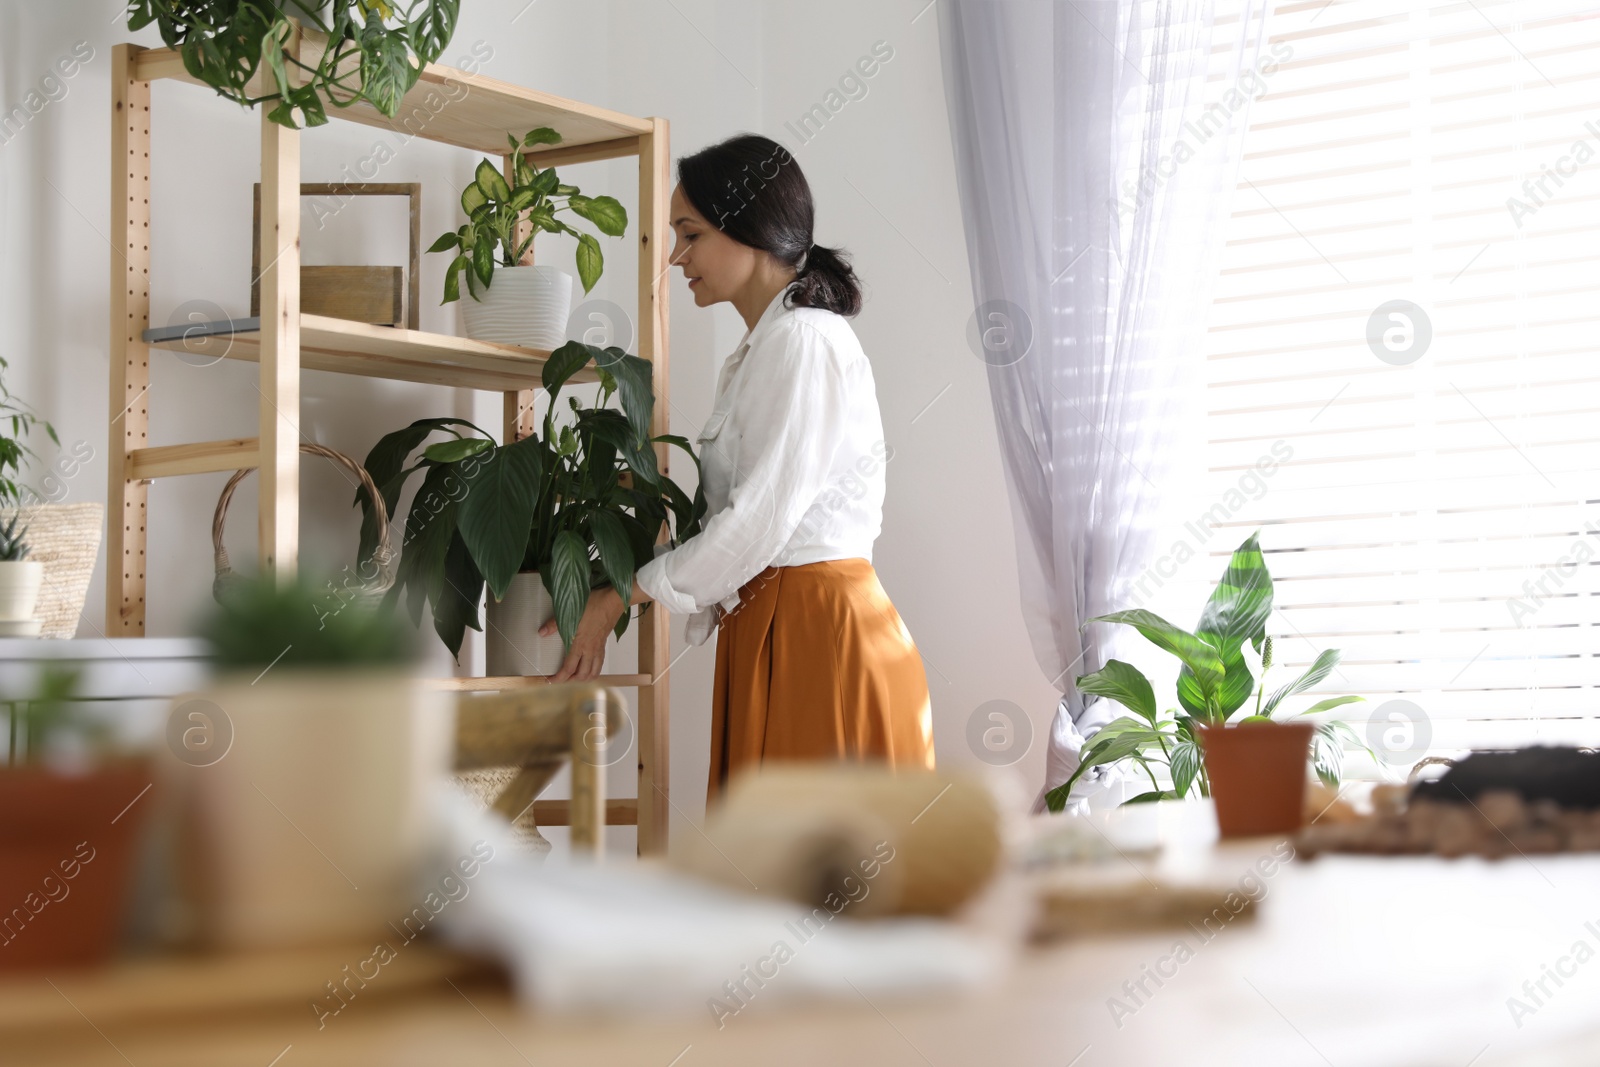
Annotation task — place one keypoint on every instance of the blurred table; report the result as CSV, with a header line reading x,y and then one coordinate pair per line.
x,y
1349,961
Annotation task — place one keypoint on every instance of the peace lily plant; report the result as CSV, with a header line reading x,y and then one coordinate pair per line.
x,y
1215,685
556,502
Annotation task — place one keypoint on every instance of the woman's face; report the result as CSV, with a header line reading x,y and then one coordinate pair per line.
x,y
716,265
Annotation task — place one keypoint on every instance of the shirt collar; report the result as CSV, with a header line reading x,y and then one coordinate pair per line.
x,y
774,309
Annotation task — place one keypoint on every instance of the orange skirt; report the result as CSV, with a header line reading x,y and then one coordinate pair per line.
x,y
816,664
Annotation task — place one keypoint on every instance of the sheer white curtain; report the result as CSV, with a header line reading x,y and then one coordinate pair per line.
x,y
1097,148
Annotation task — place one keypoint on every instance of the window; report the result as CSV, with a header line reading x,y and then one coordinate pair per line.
x,y
1405,319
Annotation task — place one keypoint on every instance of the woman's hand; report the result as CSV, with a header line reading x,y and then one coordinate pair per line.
x,y
587,653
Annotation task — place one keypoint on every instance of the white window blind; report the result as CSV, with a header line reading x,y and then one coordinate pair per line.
x,y
1438,520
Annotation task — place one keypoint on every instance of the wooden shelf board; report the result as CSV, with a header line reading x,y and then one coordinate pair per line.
x,y
452,107
620,811
515,681
345,347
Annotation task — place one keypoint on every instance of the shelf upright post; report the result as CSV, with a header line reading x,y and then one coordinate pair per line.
x,y
279,486
127,498
654,628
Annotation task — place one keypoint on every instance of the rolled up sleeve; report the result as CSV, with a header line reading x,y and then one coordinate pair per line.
x,y
792,409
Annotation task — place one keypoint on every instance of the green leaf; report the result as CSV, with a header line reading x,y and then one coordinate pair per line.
x,y
635,389
590,261
457,449
616,555
472,198
383,464
1184,759
452,281
1197,654
446,242
492,183
1327,755
428,530
1125,684
456,606
564,362
1116,740
1329,704
497,511
544,183
541,135
566,577
386,71
608,215
483,261
1320,668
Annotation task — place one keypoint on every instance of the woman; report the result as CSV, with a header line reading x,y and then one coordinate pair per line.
x,y
813,661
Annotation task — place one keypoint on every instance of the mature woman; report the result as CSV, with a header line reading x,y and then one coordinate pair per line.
x,y
813,661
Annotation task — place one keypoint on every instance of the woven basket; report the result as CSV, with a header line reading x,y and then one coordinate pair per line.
x,y
66,539
372,587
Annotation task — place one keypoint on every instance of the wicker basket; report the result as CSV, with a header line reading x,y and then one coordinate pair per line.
x,y
372,587
66,539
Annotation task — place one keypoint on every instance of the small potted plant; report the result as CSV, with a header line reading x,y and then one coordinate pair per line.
x,y
69,825
20,578
315,727
41,536
515,304
540,521
1253,765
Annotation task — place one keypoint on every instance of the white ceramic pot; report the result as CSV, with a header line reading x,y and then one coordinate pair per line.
x,y
512,644
19,588
522,306
303,801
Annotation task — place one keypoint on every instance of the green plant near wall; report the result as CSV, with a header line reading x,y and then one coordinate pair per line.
x,y
553,502
264,622
21,419
376,50
495,209
1215,684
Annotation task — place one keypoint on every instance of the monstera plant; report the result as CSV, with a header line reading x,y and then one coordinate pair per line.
x,y
1215,685
580,502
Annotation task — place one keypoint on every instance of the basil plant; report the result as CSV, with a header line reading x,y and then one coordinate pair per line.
x,y
1215,685
581,502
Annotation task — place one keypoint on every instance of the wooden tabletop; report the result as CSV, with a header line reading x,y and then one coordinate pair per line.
x,y
1358,961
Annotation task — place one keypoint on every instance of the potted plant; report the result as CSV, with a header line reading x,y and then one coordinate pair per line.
x,y
20,578
315,727
374,51
555,514
69,827
522,305
1199,743
46,542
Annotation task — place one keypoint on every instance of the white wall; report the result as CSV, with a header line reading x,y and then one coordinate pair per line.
x,y
882,175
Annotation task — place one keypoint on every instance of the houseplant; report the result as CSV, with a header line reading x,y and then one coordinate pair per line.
x,y
1215,684
522,305
20,578
68,829
314,726
62,540
375,50
553,507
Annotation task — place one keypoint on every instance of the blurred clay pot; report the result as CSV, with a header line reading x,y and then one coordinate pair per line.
x,y
67,843
1258,775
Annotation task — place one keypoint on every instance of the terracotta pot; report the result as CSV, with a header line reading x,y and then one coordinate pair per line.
x,y
65,865
1258,775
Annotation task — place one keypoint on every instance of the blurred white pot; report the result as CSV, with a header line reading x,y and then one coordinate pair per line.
x,y
19,588
302,798
521,306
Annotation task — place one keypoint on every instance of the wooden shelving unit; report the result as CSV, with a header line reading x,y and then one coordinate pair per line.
x,y
478,114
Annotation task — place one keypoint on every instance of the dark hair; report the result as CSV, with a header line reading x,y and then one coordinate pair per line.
x,y
750,187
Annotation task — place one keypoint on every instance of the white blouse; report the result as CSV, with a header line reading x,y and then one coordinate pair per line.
x,y
791,459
